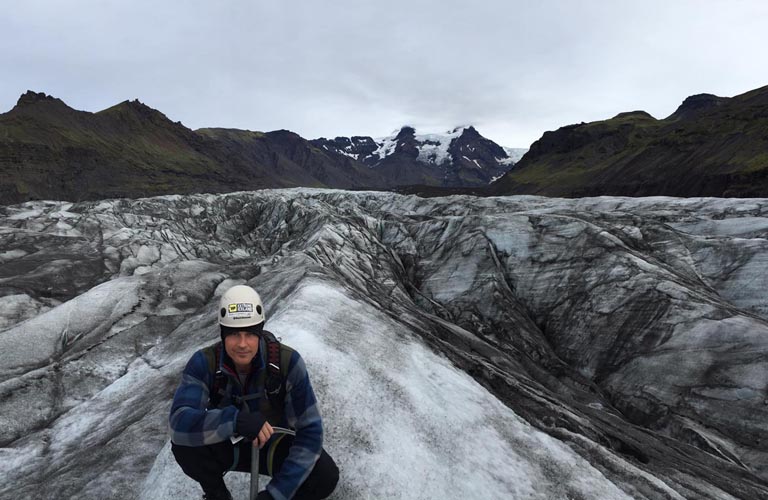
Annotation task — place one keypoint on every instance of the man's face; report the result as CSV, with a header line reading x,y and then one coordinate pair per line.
x,y
242,347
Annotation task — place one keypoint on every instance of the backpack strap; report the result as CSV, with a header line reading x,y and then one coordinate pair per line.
x,y
219,382
274,385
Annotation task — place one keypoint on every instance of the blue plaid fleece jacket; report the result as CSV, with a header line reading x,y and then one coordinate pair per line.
x,y
192,424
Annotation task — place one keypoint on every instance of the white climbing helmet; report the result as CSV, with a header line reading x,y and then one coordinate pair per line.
x,y
240,307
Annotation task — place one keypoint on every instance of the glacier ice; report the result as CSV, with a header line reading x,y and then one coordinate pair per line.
x,y
513,347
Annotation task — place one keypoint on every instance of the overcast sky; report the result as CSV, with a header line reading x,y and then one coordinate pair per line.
x,y
513,69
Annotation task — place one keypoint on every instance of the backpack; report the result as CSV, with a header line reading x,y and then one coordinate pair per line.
x,y
278,359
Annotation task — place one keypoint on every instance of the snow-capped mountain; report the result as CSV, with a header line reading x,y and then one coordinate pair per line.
x,y
458,158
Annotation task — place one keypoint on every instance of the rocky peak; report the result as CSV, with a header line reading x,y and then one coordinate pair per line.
x,y
31,97
407,132
485,158
468,132
141,110
284,134
471,138
643,115
360,141
343,142
696,104
31,100
137,115
138,106
358,147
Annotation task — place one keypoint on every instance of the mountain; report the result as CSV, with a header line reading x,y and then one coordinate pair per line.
x,y
710,146
51,151
462,347
459,158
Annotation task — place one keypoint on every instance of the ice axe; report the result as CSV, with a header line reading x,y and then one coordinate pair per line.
x,y
255,461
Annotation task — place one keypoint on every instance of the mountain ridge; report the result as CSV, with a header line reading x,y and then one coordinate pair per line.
x,y
710,146
49,150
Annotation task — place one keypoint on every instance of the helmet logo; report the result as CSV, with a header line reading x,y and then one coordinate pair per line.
x,y
236,308
242,310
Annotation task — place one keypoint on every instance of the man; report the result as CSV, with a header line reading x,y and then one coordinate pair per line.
x,y
240,388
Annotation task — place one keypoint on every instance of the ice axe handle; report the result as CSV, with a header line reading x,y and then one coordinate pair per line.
x,y
255,462
254,471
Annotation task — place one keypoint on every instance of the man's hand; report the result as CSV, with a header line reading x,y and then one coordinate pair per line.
x,y
249,424
254,426
264,434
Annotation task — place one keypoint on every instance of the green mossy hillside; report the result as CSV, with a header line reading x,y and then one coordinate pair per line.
x,y
51,151
710,146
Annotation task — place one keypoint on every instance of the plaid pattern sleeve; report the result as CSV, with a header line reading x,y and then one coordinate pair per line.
x,y
192,424
303,416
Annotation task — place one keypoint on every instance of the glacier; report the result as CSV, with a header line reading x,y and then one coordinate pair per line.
x,y
460,347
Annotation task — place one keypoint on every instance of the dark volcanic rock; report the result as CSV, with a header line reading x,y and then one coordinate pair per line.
x,y
477,160
695,105
359,148
31,99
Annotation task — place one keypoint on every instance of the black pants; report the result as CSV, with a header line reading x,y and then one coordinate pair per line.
x,y
207,465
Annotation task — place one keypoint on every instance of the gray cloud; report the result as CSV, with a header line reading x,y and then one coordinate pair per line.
x,y
512,68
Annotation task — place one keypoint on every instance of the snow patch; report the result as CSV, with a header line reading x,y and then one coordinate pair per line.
x,y
387,146
433,148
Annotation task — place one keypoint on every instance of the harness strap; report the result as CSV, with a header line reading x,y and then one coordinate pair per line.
x,y
219,379
239,400
236,458
273,386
